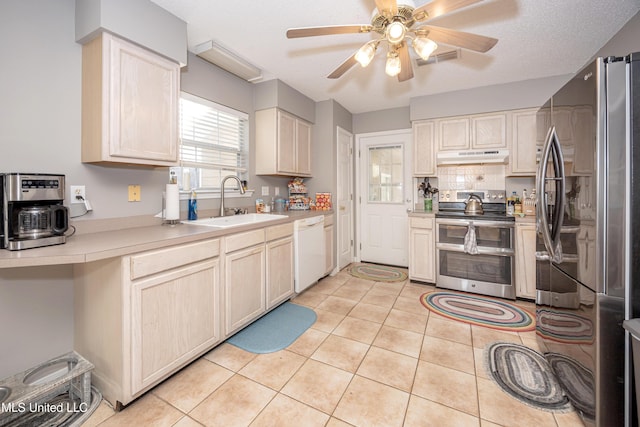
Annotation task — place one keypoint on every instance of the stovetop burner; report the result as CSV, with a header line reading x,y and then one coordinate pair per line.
x,y
451,204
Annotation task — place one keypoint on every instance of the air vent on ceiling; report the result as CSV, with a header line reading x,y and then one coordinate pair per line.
x,y
443,56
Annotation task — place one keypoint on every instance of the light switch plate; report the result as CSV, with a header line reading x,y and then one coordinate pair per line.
x,y
134,193
265,190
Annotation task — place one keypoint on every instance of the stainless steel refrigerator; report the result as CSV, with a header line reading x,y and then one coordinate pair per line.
x,y
588,246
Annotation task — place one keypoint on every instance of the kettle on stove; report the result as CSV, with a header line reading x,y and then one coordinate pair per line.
x,y
473,205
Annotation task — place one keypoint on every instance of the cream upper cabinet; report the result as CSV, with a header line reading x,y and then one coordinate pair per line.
x,y
584,159
489,131
526,261
283,144
453,133
479,131
422,249
130,99
424,144
303,148
524,146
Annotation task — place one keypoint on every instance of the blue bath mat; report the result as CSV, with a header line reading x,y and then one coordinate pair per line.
x,y
275,330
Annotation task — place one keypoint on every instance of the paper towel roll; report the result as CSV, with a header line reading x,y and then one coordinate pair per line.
x,y
172,202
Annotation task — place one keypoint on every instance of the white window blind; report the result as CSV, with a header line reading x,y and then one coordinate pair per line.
x,y
214,141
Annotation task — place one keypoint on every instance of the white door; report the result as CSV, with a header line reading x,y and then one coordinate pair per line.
x,y
385,194
344,198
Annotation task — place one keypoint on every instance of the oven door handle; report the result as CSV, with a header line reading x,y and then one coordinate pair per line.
x,y
476,222
482,250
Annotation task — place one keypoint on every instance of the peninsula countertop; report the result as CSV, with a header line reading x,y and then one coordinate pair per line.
x,y
88,247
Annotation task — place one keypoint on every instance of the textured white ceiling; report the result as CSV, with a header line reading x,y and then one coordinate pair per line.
x,y
537,38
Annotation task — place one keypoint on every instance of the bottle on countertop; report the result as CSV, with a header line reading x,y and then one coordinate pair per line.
x,y
193,206
511,201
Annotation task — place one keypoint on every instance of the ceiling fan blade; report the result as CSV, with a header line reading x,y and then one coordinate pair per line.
x,y
458,38
387,8
293,33
344,67
406,69
440,7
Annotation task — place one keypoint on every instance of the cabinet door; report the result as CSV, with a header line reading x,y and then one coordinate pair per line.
x,y
174,317
489,131
286,149
303,148
279,271
424,142
523,152
329,243
422,255
244,283
586,253
563,121
526,261
453,134
143,108
584,157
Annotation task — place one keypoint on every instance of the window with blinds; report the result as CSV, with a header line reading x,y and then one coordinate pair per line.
x,y
214,143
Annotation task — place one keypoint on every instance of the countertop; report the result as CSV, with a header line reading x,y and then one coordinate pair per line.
x,y
90,247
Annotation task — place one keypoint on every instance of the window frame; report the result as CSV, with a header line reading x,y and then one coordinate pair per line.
x,y
242,166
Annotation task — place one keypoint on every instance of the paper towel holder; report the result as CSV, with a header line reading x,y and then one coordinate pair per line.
x,y
165,221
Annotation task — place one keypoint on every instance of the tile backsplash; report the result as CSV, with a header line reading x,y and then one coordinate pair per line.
x,y
471,177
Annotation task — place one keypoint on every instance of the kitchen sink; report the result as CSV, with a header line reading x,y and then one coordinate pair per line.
x,y
235,220
5,392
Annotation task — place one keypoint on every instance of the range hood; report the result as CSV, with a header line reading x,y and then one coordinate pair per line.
x,y
469,157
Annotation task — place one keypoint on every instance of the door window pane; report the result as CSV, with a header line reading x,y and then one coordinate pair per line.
x,y
385,174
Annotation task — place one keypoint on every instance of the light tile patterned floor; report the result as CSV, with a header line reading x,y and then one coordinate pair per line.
x,y
374,357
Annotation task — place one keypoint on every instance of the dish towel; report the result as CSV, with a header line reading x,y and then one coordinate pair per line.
x,y
470,243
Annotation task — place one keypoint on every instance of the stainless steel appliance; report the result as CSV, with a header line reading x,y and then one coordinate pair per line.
x,y
475,247
32,210
589,240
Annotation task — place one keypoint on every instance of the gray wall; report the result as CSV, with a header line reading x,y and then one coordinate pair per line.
x,y
382,120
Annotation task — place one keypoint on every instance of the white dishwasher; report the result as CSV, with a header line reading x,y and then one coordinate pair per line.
x,y
308,241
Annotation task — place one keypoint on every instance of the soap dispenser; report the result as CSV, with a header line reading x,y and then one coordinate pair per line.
x,y
193,207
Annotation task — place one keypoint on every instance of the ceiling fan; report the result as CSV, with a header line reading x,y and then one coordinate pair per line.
x,y
396,24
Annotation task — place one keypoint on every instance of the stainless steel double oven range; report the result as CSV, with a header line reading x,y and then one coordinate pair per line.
x,y
475,251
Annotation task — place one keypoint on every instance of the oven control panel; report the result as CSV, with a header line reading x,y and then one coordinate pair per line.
x,y
487,196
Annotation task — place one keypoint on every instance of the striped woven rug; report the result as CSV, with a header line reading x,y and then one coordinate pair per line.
x,y
378,273
476,310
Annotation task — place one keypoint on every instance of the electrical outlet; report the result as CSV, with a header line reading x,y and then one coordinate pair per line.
x,y
78,194
134,193
265,190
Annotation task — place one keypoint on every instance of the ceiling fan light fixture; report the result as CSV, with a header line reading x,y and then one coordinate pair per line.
x,y
424,47
365,54
396,32
393,65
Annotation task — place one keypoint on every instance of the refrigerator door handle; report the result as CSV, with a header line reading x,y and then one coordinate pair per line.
x,y
558,212
541,205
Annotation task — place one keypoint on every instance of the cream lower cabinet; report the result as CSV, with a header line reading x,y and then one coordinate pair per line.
x,y
329,244
526,261
422,249
244,278
139,318
280,274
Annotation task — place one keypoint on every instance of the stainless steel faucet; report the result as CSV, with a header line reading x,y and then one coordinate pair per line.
x,y
222,190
